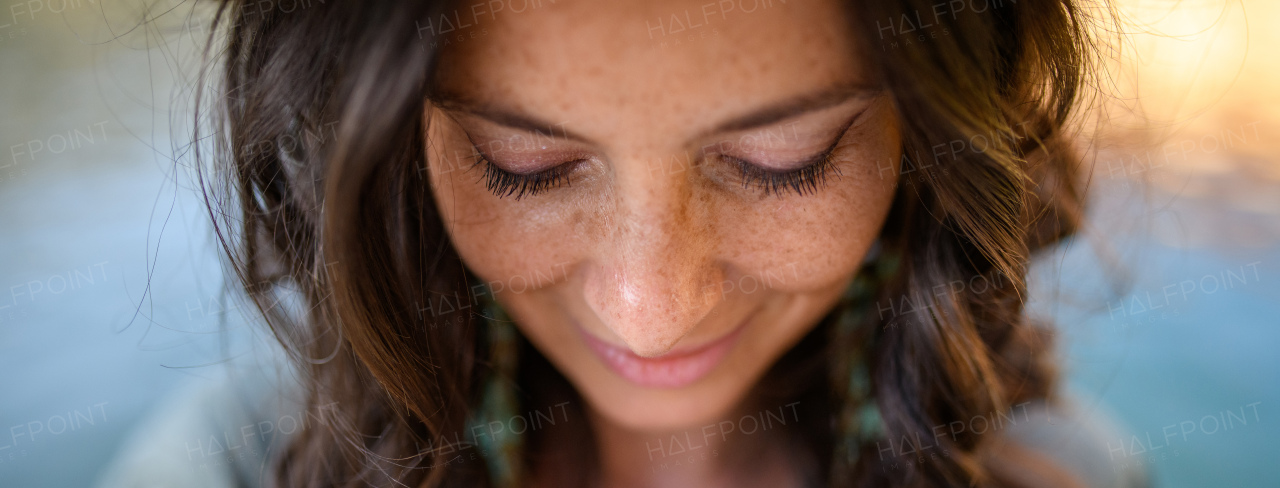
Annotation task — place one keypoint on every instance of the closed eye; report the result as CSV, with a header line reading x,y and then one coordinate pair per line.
x,y
806,180
503,183
803,177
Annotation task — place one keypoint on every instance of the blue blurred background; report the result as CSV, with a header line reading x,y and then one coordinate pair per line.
x,y
112,294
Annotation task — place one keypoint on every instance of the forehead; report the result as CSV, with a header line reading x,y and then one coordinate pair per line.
x,y
601,68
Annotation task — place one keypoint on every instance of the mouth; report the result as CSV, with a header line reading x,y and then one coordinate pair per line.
x,y
674,369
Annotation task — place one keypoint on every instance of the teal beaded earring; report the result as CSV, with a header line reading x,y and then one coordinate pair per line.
x,y
858,420
501,451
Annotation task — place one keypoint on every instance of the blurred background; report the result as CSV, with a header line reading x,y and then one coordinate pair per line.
x,y
112,294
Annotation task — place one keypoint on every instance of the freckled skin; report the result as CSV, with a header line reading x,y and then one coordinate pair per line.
x,y
640,247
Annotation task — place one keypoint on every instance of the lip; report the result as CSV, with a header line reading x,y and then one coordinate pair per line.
x,y
674,369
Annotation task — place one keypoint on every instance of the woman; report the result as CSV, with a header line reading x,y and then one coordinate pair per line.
x,y
569,243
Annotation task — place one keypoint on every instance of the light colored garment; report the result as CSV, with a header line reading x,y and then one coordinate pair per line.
x,y
222,433
1078,436
217,433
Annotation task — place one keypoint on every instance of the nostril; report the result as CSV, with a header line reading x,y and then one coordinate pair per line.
x,y
647,331
649,312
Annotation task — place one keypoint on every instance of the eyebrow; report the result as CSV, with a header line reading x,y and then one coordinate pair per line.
x,y
770,114
508,118
793,107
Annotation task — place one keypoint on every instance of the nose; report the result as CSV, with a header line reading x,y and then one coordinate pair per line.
x,y
656,276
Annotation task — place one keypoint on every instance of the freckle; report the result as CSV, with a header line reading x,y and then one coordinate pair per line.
x,y
582,223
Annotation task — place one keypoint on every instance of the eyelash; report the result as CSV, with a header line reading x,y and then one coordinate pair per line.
x,y
504,183
803,181
806,180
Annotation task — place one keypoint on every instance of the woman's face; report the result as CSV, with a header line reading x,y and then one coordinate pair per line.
x,y
666,196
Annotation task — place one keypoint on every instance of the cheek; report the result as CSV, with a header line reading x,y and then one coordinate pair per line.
x,y
809,251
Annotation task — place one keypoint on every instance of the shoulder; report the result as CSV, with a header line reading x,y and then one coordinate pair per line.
x,y
210,434
1079,437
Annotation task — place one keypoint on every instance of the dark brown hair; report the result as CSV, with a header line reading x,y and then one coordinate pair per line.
x,y
318,197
